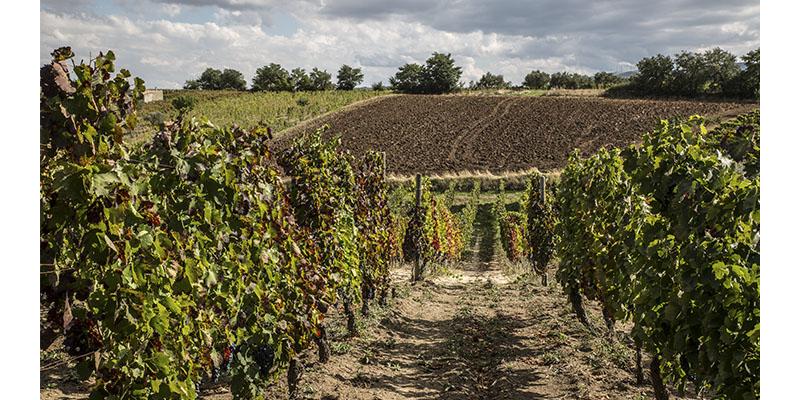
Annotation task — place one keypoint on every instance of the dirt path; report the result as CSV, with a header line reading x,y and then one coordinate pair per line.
x,y
479,331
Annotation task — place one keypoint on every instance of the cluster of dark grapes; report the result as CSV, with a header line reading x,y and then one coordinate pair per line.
x,y
371,293
264,356
79,338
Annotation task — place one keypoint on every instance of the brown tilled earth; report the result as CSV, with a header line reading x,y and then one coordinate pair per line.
x,y
440,134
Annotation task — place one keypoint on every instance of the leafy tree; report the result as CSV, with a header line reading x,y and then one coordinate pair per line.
x,y
567,80
232,79
559,80
750,78
408,79
300,80
701,74
536,80
191,84
210,79
348,77
655,74
273,78
689,76
378,86
440,75
719,68
491,81
320,79
606,79
214,79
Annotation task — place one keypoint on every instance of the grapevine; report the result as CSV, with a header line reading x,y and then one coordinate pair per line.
x,y
541,235
184,259
672,233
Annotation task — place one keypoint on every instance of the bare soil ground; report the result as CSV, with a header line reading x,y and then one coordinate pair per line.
x,y
440,134
479,330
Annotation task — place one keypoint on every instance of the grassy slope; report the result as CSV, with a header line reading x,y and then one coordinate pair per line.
x,y
277,110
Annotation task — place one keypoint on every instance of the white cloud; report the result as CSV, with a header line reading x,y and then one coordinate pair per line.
x,y
171,10
510,38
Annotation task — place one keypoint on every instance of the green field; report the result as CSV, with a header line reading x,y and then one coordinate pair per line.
x,y
278,110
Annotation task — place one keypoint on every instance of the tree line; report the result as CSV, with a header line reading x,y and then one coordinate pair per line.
x,y
542,80
275,78
714,72
711,73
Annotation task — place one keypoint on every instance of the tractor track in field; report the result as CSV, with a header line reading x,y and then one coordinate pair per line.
x,y
478,128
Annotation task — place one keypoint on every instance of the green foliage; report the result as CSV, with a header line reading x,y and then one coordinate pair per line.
x,y
512,235
372,219
541,218
593,202
175,252
320,79
278,110
154,118
654,74
490,81
397,232
688,74
378,86
433,232
300,80
439,75
322,196
606,79
468,214
747,83
400,204
348,77
272,78
696,299
512,225
408,79
450,194
672,233
702,74
567,80
232,79
536,80
192,84
184,103
214,79
86,117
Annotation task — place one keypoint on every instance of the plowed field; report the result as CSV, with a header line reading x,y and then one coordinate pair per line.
x,y
439,134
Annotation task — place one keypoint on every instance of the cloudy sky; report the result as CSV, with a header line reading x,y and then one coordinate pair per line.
x,y
167,42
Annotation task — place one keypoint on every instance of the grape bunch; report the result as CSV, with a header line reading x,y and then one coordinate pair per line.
x,y
81,337
264,356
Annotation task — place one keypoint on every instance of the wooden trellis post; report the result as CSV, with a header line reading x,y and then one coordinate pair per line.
x,y
417,268
383,157
542,186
